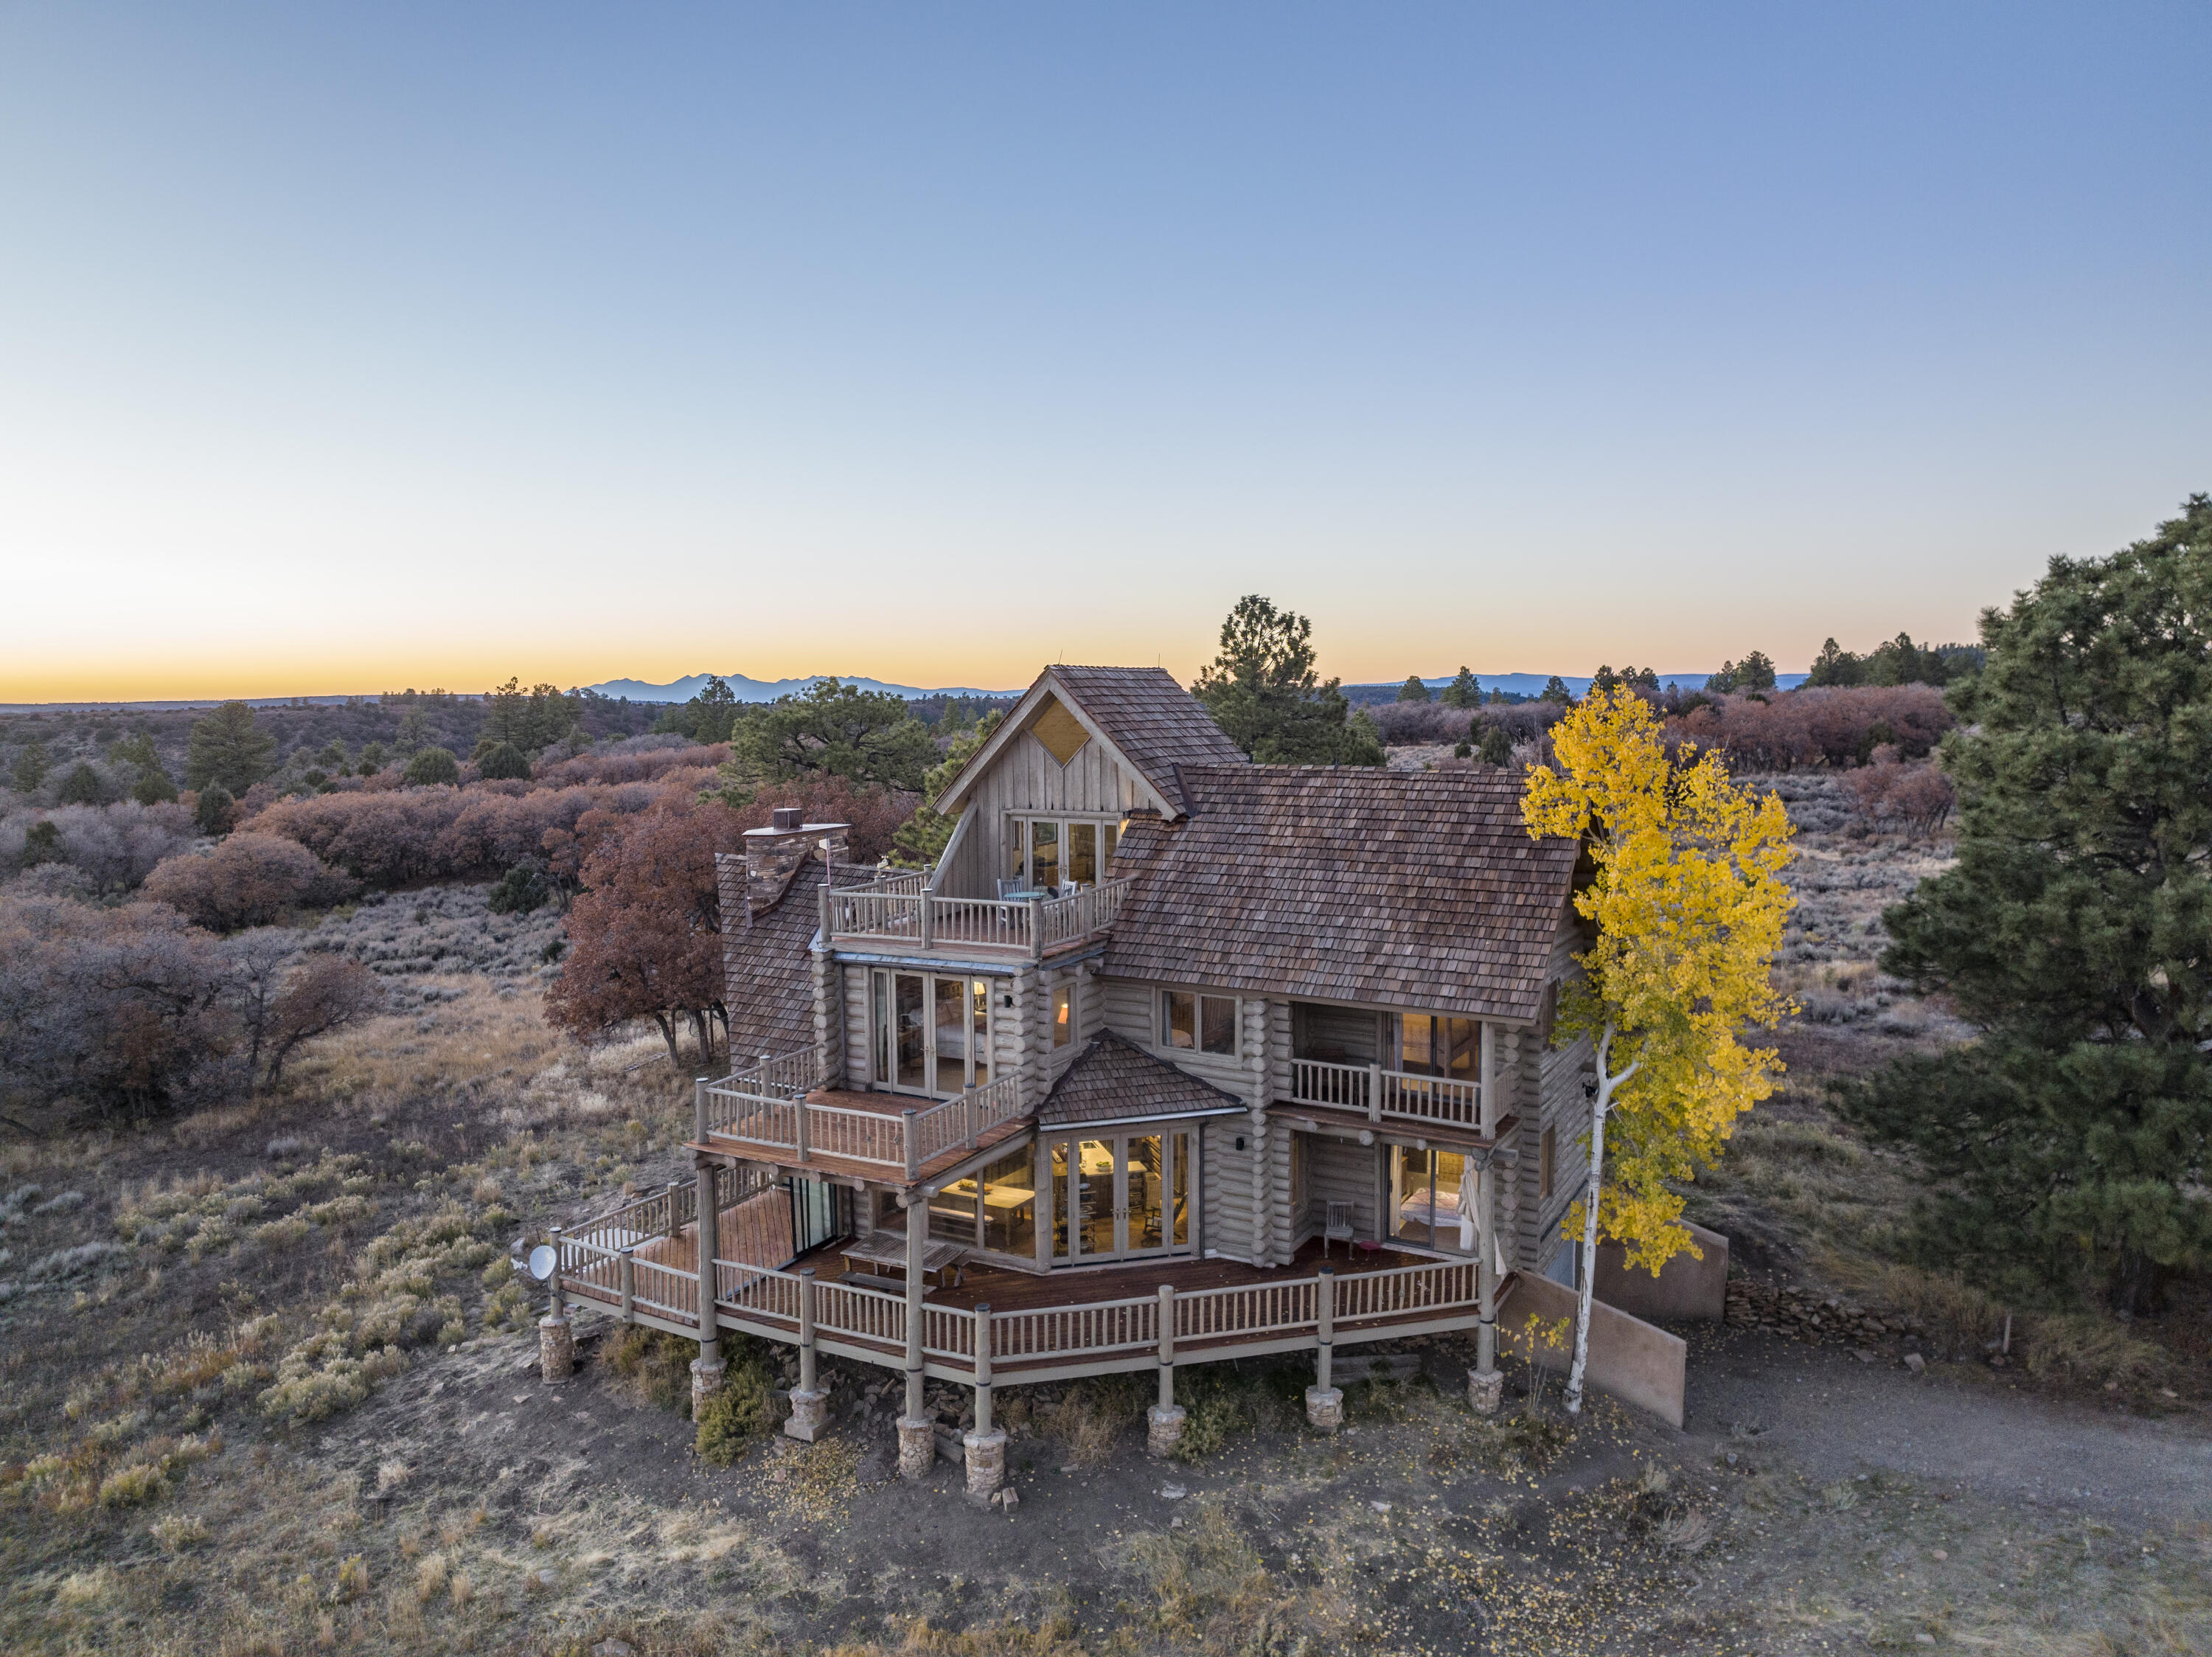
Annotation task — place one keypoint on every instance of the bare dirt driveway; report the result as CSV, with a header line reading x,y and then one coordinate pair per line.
x,y
1956,1426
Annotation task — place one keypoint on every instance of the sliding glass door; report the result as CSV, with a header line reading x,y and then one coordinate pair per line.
x,y
931,1034
1045,851
1121,1197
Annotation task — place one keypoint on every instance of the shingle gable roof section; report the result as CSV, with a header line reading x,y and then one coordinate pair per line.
x,y
1156,723
1348,884
1112,1080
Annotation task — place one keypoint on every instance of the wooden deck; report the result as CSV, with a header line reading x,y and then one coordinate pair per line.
x,y
1022,1327
824,1163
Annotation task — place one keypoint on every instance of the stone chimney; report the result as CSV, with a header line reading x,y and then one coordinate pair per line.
x,y
775,854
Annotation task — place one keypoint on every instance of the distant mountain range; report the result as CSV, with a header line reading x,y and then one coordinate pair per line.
x,y
1531,684
767,689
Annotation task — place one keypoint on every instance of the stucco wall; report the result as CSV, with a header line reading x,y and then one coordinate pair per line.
x,y
1686,1288
1629,1360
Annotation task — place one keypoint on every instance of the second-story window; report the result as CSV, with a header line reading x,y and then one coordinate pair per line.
x,y
1063,1015
1206,1023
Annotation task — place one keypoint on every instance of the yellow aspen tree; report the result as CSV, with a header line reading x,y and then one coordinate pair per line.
x,y
1689,903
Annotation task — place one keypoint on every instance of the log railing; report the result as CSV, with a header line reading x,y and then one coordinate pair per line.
x,y
873,1324
1377,1093
888,913
959,1123
767,1108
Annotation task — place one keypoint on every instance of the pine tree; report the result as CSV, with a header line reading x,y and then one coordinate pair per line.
x,y
1463,692
1261,690
229,747
2071,1141
31,767
82,786
1412,690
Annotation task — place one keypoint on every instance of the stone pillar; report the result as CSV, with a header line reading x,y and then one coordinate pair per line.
x,y
707,1374
917,1447
1164,1429
556,1346
810,1414
986,1463
1485,1389
1325,1408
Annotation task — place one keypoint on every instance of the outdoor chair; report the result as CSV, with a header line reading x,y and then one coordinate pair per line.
x,y
1336,1223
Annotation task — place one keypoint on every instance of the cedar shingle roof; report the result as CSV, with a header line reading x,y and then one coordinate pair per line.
x,y
1114,1080
1155,723
766,987
1347,883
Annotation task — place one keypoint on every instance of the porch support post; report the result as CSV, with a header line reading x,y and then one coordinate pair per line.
x,y
917,1437
1164,1422
557,1339
983,1447
809,1415
1486,1073
913,1149
1374,1093
699,1111
1325,1402
798,1128
1047,1199
707,1372
1486,1384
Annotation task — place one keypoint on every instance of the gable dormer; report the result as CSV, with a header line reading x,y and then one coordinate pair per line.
x,y
1041,803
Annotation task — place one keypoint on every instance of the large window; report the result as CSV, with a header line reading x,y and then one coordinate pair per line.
x,y
1063,1015
995,1209
933,1035
1206,1023
1043,852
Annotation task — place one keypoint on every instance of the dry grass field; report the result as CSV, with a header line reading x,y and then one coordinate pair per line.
x,y
268,1385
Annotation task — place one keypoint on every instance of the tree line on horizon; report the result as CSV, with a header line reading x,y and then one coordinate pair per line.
x,y
2068,1145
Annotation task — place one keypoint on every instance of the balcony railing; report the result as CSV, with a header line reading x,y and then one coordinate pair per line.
x,y
766,1108
896,911
1377,1093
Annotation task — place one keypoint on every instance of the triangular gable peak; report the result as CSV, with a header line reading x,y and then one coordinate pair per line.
x,y
1097,738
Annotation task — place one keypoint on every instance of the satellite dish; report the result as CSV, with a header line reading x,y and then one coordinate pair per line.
x,y
542,1259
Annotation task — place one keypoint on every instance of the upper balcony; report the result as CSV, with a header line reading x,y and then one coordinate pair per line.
x,y
895,913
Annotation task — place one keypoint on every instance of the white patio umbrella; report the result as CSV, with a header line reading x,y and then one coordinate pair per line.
x,y
1466,1202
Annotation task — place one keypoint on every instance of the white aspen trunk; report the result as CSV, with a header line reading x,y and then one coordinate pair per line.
x,y
1605,1086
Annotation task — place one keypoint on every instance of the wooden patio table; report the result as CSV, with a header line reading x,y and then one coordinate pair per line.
x,y
891,1252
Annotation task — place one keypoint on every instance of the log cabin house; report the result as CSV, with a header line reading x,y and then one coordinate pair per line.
x,y
1170,1057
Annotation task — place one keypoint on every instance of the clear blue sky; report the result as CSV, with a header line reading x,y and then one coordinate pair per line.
x,y
348,347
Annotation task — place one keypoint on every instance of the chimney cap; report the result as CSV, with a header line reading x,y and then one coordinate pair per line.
x,y
785,820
